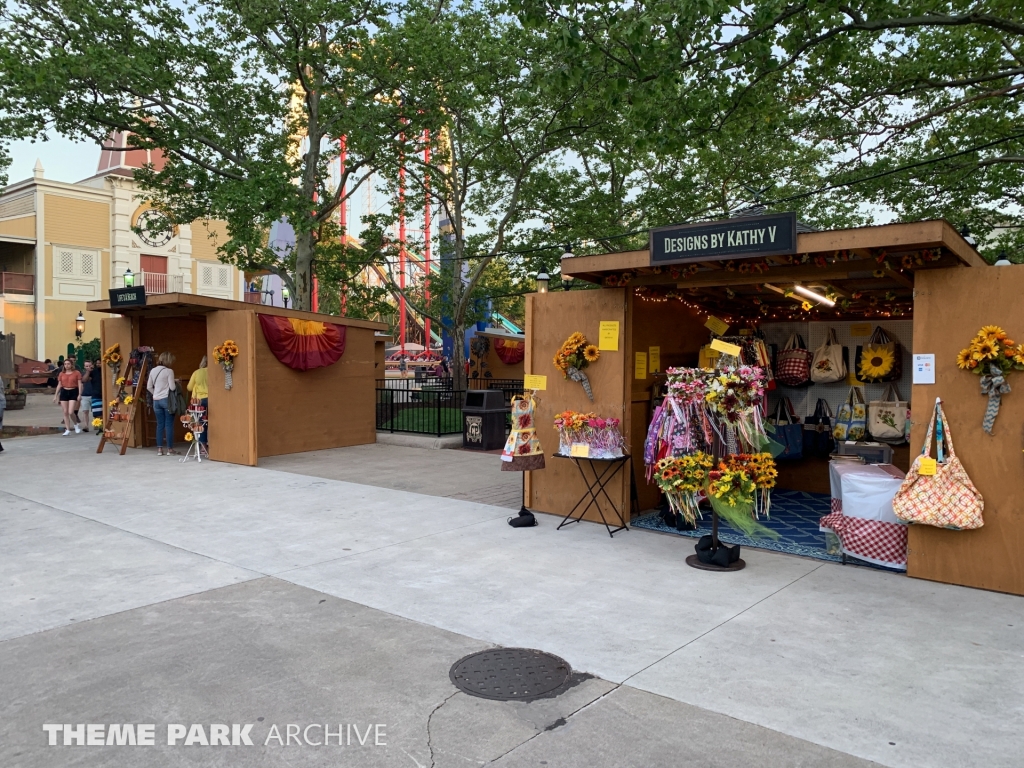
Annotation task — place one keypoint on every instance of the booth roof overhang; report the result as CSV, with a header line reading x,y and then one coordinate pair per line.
x,y
184,304
868,271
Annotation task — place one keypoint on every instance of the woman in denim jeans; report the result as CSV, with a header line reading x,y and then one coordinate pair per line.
x,y
160,385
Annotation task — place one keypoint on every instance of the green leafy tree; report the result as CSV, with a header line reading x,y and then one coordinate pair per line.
x,y
247,99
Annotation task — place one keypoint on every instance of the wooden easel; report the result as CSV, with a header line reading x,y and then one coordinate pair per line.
x,y
130,423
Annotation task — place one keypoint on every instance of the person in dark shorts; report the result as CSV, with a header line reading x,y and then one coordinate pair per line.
x,y
69,392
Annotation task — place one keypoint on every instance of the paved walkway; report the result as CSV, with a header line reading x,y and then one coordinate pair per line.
x,y
169,593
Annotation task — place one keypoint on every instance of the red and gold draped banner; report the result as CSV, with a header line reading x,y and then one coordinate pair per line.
x,y
510,351
303,344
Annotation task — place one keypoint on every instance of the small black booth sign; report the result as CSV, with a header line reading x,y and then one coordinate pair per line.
x,y
128,297
741,237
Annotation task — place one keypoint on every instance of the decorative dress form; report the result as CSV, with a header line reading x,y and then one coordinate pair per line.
x,y
522,450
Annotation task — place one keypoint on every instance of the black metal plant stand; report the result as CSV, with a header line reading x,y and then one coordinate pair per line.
x,y
695,562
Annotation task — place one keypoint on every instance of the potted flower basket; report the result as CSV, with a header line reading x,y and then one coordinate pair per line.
x,y
16,399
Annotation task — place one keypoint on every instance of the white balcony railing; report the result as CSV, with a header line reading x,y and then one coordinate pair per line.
x,y
155,282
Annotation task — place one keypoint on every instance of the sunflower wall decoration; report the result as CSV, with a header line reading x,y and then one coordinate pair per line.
x,y
575,355
225,354
991,355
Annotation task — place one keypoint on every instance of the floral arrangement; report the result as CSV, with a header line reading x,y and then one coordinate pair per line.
x,y
97,422
733,393
739,490
602,436
112,359
575,355
991,355
225,354
683,479
194,421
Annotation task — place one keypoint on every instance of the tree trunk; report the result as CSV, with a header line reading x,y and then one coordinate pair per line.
x,y
303,271
458,332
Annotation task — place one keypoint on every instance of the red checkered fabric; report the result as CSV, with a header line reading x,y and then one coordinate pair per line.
x,y
837,506
871,540
793,367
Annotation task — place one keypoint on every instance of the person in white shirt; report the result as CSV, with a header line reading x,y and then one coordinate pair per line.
x,y
160,384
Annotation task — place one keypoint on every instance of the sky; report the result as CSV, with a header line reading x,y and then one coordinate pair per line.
x,y
63,160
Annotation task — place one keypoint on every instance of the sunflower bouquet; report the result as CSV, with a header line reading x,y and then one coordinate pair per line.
x,y
991,355
575,355
112,359
734,398
762,470
225,354
683,479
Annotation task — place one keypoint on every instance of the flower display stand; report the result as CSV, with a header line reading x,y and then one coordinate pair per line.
x,y
126,421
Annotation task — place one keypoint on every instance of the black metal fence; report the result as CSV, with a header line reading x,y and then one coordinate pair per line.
x,y
430,405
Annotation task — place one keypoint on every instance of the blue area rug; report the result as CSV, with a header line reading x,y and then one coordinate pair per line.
x,y
794,516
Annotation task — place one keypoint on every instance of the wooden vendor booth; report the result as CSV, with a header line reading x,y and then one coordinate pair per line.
x,y
301,381
495,354
916,289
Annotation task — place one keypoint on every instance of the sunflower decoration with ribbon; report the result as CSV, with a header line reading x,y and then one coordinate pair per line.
x,y
992,354
575,355
225,354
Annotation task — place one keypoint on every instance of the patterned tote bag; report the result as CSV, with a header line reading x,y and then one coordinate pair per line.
x,y
793,366
946,499
851,421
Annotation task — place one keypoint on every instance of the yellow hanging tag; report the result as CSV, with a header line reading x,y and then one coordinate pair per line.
x,y
926,466
534,381
726,348
716,326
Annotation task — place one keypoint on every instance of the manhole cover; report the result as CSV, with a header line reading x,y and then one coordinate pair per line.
x,y
509,674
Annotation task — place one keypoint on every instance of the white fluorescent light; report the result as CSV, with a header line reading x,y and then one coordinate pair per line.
x,y
812,295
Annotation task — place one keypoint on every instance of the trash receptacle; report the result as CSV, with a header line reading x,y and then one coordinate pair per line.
x,y
483,420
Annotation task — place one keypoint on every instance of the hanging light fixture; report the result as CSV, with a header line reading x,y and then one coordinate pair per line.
x,y
79,325
965,233
812,295
1003,260
542,281
129,278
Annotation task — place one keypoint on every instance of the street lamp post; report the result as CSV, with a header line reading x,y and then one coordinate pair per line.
x,y
129,278
285,295
542,282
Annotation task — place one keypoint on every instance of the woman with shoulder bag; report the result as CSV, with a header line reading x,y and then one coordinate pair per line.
x,y
161,386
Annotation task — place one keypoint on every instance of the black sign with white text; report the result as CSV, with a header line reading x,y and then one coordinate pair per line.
x,y
128,297
742,237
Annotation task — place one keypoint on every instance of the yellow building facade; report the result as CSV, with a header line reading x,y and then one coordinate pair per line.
x,y
63,245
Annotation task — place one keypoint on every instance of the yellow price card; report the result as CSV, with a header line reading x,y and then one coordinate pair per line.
x,y
927,466
716,326
580,450
860,329
533,381
608,336
640,366
726,348
654,356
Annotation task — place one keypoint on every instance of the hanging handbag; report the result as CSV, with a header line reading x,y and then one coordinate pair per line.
x,y
852,417
887,418
947,499
828,364
793,367
788,430
880,360
818,440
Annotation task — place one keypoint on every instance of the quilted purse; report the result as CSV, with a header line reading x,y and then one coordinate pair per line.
x,y
947,499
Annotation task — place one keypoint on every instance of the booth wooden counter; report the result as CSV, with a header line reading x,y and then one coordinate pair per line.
x,y
271,409
923,272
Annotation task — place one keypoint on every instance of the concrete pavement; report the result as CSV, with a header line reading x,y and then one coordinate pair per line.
x,y
789,662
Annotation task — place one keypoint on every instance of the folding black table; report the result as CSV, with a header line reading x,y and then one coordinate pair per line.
x,y
596,488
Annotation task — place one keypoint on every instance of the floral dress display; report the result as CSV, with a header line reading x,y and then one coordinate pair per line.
x,y
522,450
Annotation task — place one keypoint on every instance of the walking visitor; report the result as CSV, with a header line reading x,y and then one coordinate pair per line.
x,y
92,388
69,390
197,385
3,405
160,385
